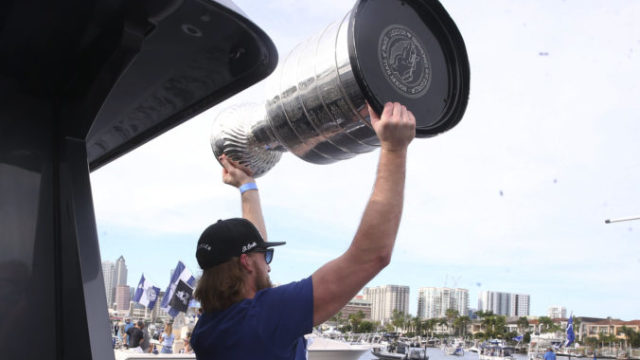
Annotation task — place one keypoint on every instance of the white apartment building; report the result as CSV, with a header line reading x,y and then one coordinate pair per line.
x,y
433,302
502,303
519,305
385,299
557,312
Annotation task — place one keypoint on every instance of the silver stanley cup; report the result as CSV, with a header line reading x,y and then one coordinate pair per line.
x,y
382,50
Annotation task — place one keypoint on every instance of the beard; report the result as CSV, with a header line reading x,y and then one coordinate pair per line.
x,y
262,281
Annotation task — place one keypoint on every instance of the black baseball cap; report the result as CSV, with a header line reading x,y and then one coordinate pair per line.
x,y
229,238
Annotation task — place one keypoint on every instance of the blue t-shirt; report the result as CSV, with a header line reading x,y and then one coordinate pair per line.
x,y
271,326
549,355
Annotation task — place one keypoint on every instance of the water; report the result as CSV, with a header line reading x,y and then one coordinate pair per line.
x,y
437,354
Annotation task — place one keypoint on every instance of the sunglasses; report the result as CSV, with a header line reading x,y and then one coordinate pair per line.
x,y
268,254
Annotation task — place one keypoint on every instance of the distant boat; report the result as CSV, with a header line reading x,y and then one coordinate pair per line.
x,y
496,350
540,343
454,347
401,350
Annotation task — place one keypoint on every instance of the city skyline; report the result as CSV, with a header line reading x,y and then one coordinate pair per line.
x,y
512,199
561,309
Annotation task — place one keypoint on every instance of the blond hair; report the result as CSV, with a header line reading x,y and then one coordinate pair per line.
x,y
220,286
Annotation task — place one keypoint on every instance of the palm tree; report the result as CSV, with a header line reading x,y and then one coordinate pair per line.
x,y
429,325
417,325
398,319
451,315
443,322
546,324
523,324
460,324
355,320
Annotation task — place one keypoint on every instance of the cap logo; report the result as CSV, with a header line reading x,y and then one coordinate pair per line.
x,y
249,247
204,246
404,61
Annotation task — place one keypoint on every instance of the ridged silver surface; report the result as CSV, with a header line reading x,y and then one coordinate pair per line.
x,y
242,133
315,110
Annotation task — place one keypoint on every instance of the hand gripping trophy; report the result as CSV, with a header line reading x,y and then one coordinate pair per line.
x,y
382,50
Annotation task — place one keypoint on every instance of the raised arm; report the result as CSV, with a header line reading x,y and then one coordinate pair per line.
x,y
335,283
251,210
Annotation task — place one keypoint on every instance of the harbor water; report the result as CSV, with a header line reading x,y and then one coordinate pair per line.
x,y
437,354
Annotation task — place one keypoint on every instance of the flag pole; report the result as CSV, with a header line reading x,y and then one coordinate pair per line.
x,y
610,221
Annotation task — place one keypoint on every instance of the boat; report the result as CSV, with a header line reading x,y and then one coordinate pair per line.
x,y
401,350
319,348
496,350
453,347
540,343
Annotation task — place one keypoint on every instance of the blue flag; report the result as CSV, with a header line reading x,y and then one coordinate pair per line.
x,y
146,294
139,290
180,273
517,338
570,335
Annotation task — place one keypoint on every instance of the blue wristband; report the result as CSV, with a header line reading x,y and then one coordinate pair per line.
x,y
247,187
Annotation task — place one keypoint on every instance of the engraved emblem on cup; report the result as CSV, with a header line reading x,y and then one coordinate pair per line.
x,y
404,61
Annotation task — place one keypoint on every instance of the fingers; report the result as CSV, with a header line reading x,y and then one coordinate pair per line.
x,y
225,162
388,110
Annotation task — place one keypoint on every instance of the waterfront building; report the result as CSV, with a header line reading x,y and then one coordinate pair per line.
x,y
108,273
610,327
123,297
557,312
502,303
433,302
139,312
385,299
356,304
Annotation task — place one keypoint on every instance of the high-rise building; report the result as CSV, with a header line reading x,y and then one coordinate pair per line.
x,y
385,299
121,272
502,303
433,302
108,273
119,276
519,305
557,312
123,297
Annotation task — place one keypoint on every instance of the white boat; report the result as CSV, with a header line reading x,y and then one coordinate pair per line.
x,y
455,347
540,343
400,350
318,348
496,350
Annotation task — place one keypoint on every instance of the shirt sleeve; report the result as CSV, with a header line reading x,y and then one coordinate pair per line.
x,y
285,313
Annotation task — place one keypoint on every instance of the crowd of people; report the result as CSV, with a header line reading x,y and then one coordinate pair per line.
x,y
138,337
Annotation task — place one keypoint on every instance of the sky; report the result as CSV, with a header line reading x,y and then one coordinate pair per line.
x,y
512,199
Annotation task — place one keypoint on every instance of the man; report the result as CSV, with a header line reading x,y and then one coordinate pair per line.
x,y
244,317
127,325
549,355
135,336
144,344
